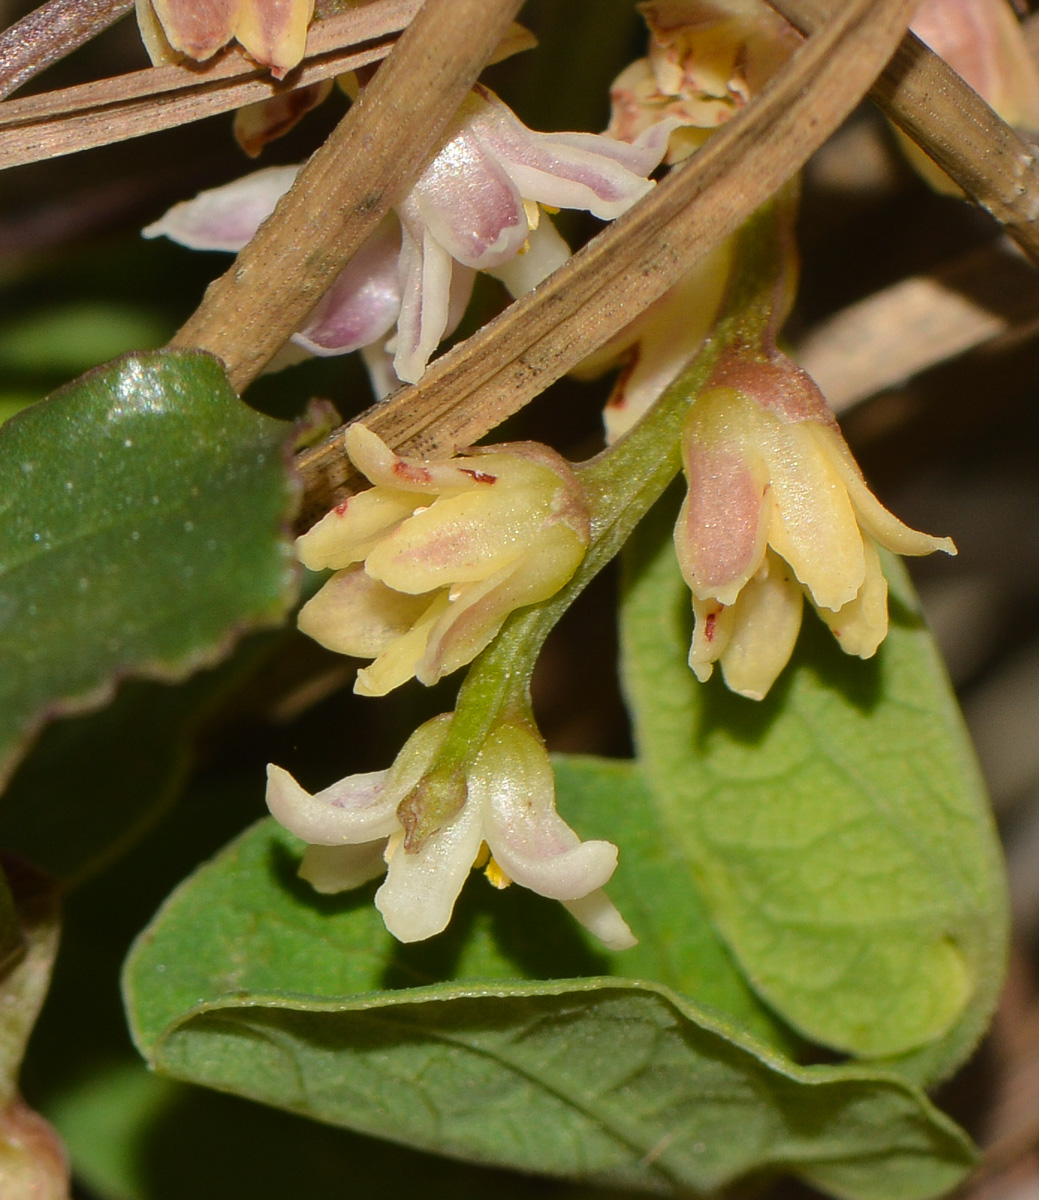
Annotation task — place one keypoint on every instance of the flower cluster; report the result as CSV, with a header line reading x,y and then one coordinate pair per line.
x,y
431,560
427,827
777,508
274,32
475,207
707,59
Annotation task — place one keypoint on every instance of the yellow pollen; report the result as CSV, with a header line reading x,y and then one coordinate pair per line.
x,y
496,876
532,213
482,856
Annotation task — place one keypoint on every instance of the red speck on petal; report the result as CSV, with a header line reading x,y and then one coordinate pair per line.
x,y
479,476
341,507
411,472
708,626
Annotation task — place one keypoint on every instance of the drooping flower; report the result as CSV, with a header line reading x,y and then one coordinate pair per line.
x,y
475,207
431,560
777,509
274,32
984,43
502,803
707,59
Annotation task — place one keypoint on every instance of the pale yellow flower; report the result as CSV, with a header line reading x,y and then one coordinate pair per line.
x,y
431,560
777,509
274,32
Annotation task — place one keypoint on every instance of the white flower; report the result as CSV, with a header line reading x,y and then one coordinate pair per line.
x,y
428,828
475,207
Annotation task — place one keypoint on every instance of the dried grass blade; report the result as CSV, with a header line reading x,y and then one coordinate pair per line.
x,y
925,98
625,268
48,33
127,106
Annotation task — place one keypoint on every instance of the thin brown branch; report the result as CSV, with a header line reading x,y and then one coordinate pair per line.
x,y
926,99
49,33
921,322
347,186
474,387
126,106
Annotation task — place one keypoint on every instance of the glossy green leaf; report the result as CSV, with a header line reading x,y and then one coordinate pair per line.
x,y
249,982
839,829
145,513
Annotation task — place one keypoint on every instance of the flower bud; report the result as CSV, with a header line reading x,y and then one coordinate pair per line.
x,y
431,560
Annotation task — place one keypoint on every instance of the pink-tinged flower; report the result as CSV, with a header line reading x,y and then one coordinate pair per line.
x,y
503,803
982,40
431,560
475,207
660,342
274,32
707,59
777,509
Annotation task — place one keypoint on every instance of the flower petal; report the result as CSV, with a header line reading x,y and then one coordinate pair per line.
x,y
363,303
425,293
353,614
568,170
467,200
358,808
225,218
874,518
257,124
479,609
814,526
861,625
513,783
330,869
768,618
456,540
599,915
722,528
666,337
197,29
401,658
712,630
345,535
274,32
421,888
546,251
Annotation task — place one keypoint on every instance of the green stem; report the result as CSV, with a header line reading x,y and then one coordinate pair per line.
x,y
624,482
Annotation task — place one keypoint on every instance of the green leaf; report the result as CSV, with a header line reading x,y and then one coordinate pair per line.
x,y
127,1129
145,512
654,889
249,982
838,829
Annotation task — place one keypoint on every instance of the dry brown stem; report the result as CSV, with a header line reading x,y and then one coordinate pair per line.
x,y
140,102
347,186
48,33
925,98
474,387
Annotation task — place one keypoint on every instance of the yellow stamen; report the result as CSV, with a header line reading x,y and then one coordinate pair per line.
x,y
496,876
